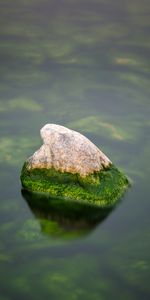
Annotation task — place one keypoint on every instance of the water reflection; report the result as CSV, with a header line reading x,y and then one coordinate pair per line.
x,y
65,219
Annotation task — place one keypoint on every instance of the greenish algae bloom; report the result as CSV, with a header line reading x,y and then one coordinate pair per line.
x,y
102,188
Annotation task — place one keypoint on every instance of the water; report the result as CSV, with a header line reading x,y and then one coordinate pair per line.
x,y
85,65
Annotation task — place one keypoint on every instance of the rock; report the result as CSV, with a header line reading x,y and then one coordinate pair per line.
x,y
69,166
66,150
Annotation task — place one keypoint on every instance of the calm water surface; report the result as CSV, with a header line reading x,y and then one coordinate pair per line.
x,y
83,64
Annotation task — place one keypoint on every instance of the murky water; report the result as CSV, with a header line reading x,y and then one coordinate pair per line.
x,y
85,65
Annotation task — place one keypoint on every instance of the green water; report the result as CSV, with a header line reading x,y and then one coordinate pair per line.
x,y
82,64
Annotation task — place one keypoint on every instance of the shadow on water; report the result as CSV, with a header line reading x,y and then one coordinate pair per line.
x,y
59,218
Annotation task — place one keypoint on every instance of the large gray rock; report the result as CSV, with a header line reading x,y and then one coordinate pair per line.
x,y
66,150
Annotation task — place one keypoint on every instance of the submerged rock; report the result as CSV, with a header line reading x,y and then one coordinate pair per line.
x,y
71,221
69,166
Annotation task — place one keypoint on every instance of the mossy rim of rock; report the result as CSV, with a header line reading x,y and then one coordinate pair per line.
x,y
102,188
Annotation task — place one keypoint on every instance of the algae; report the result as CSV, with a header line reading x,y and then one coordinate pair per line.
x,y
11,152
100,188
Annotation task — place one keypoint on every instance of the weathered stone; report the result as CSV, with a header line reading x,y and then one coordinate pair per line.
x,y
66,150
69,166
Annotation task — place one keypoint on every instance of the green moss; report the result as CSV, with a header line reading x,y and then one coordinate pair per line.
x,y
100,188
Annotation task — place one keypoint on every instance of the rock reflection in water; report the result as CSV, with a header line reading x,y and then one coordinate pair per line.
x,y
59,218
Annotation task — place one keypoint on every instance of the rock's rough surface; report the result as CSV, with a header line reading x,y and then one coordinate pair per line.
x,y
68,166
66,150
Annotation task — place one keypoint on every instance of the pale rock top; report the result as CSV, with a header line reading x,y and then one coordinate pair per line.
x,y
66,150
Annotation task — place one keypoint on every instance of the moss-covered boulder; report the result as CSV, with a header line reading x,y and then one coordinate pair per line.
x,y
69,167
